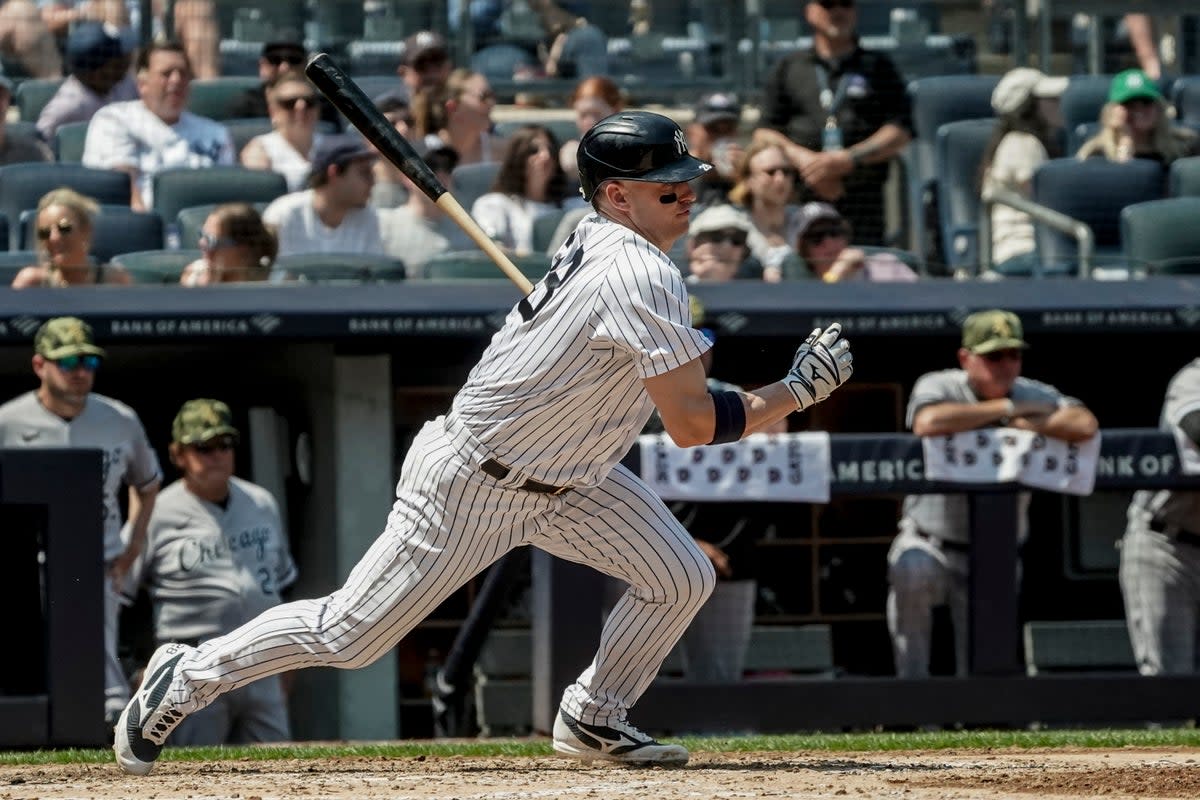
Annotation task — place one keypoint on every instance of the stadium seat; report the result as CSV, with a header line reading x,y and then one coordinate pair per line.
x,y
375,85
190,221
564,130
1085,95
3,233
544,228
32,95
68,142
1186,96
1162,236
1183,178
12,262
156,266
476,265
176,189
935,102
472,181
1078,135
960,151
337,268
244,129
22,185
117,229
215,97
1077,646
1093,192
23,128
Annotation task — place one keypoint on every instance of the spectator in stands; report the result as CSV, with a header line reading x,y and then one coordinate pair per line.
x,y
1026,103
712,136
927,562
766,183
592,100
1136,123
25,40
823,243
530,183
419,229
64,412
332,215
572,47
16,148
717,246
156,132
277,59
99,62
65,220
425,64
459,115
1145,46
841,113
195,26
242,563
391,188
294,106
235,245
61,16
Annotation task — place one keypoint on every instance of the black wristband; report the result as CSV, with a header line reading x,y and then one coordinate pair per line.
x,y
731,417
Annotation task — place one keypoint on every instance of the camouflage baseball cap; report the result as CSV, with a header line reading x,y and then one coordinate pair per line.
x,y
202,419
65,336
989,331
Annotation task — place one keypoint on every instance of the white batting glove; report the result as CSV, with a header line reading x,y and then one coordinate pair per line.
x,y
822,364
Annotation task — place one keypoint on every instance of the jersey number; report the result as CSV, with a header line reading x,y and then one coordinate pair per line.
x,y
552,281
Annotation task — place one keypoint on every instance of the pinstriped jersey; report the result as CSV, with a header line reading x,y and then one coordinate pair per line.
x,y
1174,506
558,393
209,569
104,423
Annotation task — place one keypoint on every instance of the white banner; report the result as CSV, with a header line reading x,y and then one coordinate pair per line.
x,y
1005,455
783,467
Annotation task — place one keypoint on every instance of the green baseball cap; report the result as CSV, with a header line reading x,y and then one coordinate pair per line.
x,y
65,336
1132,84
989,331
202,419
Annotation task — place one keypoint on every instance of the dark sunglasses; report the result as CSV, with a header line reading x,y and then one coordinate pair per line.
x,y
996,356
310,101
733,236
828,4
821,234
64,227
222,444
787,172
209,242
70,363
291,59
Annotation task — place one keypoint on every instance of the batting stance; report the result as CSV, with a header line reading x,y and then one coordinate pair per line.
x,y
1160,552
528,454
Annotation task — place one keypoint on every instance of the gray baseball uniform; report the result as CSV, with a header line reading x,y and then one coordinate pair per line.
x,y
927,562
1160,557
555,401
210,568
113,427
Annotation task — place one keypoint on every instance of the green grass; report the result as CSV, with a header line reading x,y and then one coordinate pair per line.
x,y
805,743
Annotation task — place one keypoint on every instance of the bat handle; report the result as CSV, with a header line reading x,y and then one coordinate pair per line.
x,y
457,213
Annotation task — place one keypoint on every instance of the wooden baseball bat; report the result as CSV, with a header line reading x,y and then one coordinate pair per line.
x,y
364,115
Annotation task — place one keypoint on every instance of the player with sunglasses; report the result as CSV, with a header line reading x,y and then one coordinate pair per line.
x,y
822,238
841,113
216,555
927,562
64,412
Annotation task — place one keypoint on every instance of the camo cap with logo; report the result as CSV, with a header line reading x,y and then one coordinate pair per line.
x,y
202,419
65,336
989,331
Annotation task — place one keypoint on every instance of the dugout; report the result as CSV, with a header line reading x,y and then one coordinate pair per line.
x,y
330,382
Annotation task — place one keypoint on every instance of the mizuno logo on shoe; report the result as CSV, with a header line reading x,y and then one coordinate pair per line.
x,y
604,739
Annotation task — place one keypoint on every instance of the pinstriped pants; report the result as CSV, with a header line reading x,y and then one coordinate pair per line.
x,y
449,522
1160,583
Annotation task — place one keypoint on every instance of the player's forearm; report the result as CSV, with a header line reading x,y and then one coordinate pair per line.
x,y
767,405
946,418
141,505
1070,424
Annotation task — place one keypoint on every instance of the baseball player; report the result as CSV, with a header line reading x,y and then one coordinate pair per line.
x,y
216,555
64,412
927,562
1160,552
528,454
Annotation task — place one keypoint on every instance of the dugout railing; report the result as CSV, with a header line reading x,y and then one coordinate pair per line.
x,y
567,620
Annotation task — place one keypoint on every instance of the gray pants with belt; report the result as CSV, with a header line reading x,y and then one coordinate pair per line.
x,y
1160,581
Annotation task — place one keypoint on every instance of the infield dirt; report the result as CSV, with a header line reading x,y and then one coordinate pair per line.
x,y
996,773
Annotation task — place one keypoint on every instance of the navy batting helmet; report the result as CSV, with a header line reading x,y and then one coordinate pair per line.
x,y
635,146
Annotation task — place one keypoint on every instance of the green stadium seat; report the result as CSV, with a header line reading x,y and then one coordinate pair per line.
x,y
1077,646
1183,178
476,265
190,221
33,94
156,266
215,97
68,142
177,189
338,268
22,185
117,229
12,262
1161,236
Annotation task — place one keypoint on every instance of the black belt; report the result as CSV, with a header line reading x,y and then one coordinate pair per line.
x,y
945,544
1175,532
500,472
